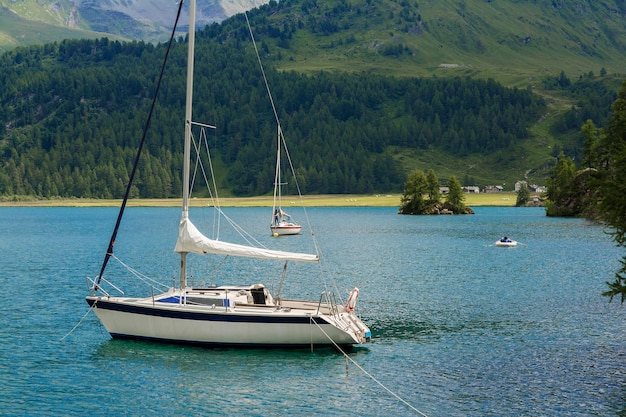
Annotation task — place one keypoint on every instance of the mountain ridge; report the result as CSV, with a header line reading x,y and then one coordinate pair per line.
x,y
512,40
147,20
515,41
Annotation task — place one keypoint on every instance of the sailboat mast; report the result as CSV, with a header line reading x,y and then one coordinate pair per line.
x,y
277,177
188,118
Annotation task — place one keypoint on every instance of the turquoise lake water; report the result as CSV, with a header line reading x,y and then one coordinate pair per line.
x,y
460,327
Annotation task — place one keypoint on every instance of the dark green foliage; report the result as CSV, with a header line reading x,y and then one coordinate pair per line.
x,y
562,198
414,199
421,195
593,97
612,163
618,287
612,188
73,112
455,197
598,190
395,50
433,185
557,83
523,196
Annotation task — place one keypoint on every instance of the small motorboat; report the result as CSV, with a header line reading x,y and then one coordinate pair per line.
x,y
506,242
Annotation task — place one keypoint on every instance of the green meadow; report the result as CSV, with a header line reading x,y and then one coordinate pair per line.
x,y
338,200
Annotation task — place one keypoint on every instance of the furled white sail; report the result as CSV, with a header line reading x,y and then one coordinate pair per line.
x,y
190,239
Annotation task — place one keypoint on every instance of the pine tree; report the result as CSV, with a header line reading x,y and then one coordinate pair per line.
x,y
613,185
523,196
433,187
455,197
413,201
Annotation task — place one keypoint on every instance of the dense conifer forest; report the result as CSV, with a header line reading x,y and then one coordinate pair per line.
x,y
74,111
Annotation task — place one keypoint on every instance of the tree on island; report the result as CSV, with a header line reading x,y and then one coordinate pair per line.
x,y
421,195
523,196
415,187
455,197
433,186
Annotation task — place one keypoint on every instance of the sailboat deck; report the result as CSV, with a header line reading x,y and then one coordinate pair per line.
x,y
253,299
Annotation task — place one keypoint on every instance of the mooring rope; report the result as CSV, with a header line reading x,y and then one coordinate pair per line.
x,y
79,322
348,358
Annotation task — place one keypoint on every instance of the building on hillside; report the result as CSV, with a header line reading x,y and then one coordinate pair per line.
x,y
534,188
493,189
471,189
520,184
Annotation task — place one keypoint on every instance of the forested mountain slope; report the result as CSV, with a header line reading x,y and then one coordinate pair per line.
x,y
72,111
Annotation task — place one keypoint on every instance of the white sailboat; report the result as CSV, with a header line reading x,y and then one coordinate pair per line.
x,y
281,224
231,315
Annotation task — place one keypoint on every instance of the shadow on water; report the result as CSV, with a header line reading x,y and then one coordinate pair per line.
x,y
390,330
160,353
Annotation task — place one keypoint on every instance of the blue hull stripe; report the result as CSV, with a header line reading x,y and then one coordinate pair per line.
x,y
189,315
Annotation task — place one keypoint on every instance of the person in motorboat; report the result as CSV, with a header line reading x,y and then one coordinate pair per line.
x,y
505,240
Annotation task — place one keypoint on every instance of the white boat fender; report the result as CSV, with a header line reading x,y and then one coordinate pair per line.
x,y
352,300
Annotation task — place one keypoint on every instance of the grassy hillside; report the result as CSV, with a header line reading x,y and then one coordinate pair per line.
x,y
515,42
57,13
16,31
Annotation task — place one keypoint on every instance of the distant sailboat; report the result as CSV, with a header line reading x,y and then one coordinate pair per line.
x,y
281,224
231,315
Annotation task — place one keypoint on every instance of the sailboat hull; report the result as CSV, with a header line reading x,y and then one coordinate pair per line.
x,y
508,244
251,326
283,230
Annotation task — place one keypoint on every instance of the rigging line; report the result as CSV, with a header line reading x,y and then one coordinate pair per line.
x,y
142,277
197,147
247,237
204,140
281,137
214,198
258,57
199,165
109,252
367,373
79,322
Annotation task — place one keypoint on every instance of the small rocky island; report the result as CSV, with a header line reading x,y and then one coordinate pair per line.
x,y
422,195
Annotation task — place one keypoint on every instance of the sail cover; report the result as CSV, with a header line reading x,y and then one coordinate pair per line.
x,y
191,240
